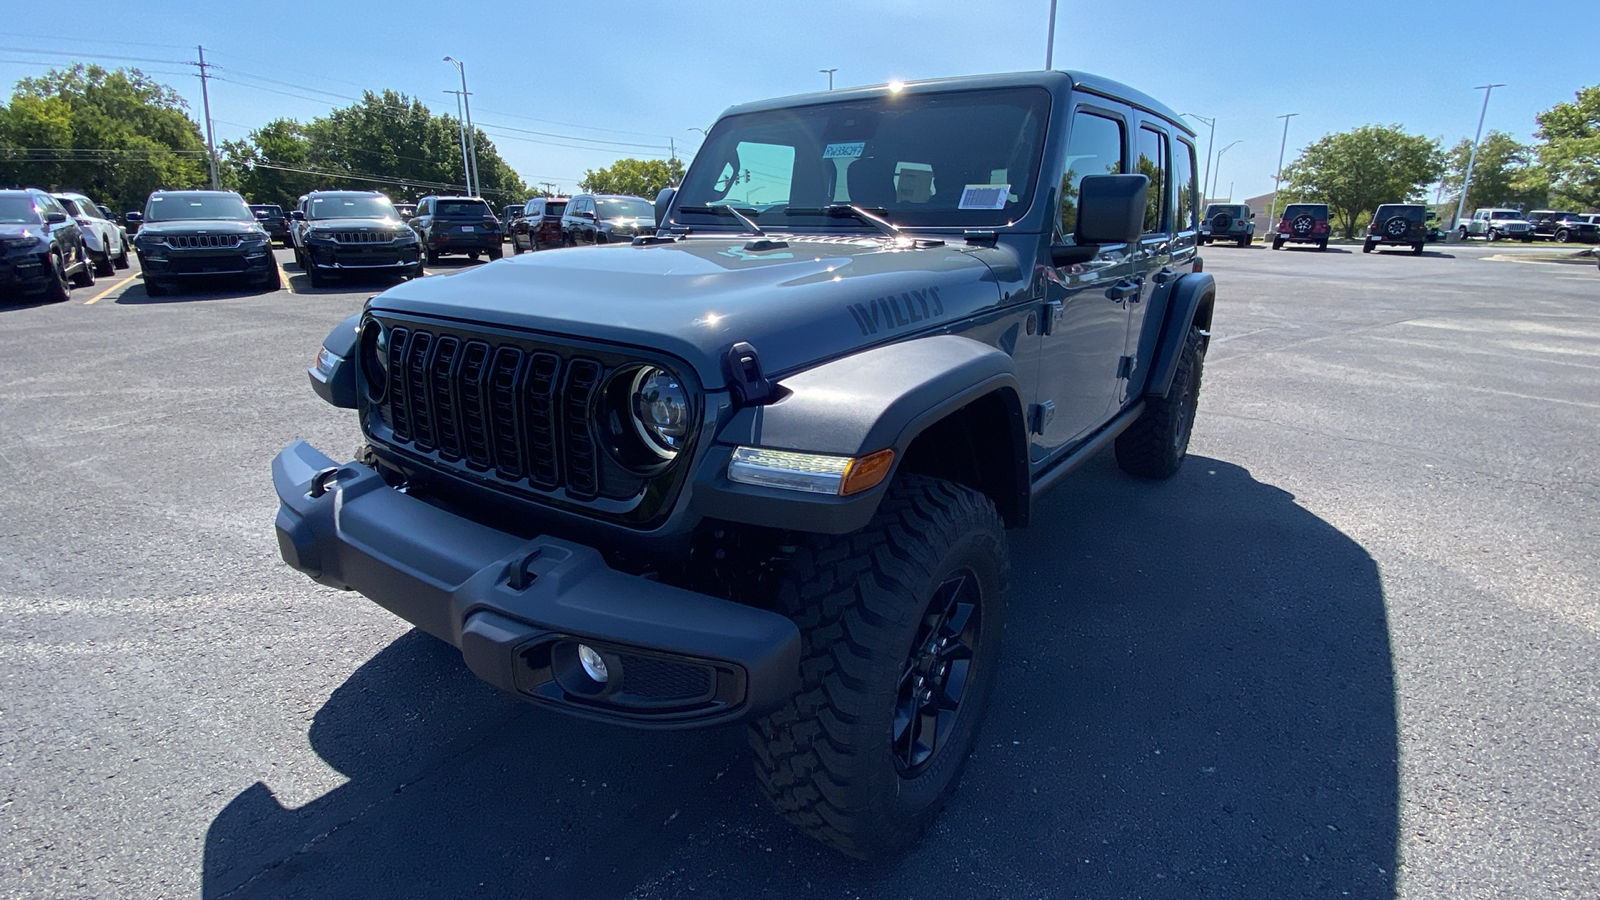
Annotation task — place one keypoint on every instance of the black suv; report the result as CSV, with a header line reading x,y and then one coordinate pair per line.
x,y
606,219
539,226
760,465
1563,227
353,232
509,214
274,220
1302,223
203,234
1398,223
41,247
464,225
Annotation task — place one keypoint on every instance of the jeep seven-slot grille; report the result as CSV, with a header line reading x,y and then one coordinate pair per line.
x,y
365,237
203,241
523,413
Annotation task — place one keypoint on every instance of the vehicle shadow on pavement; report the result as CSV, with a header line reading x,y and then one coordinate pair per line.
x,y
1197,698
135,294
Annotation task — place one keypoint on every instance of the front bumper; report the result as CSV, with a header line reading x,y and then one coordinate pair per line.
x,y
167,263
25,271
332,257
518,607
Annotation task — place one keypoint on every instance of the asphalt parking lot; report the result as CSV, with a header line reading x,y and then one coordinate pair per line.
x,y
1352,649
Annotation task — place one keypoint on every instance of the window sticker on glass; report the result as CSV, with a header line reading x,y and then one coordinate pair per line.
x,y
984,196
844,151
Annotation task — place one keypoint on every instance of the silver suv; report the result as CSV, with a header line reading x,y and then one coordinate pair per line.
x,y
1228,222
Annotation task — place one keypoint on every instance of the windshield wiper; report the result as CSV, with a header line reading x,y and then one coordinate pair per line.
x,y
847,211
726,209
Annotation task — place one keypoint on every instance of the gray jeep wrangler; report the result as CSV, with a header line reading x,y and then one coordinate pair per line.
x,y
760,464
1228,222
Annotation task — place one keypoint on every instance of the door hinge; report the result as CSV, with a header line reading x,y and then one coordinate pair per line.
x,y
1040,414
1125,367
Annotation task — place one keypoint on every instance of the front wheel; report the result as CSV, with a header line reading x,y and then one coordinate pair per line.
x,y
1463,232
1494,235
57,289
1563,236
901,630
1155,445
1527,239
1368,246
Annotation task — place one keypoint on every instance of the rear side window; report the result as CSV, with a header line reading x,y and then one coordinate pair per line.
x,y
554,209
1095,149
1183,177
1153,164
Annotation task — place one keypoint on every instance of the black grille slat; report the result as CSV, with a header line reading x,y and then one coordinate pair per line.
x,y
471,381
417,390
577,394
443,396
539,419
203,241
503,418
399,410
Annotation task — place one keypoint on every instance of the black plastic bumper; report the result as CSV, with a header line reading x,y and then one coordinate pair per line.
x,y
519,608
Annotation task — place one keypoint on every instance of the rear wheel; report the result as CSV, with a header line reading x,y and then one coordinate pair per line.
x,y
1155,445
57,289
496,252
1563,236
1367,246
103,266
1323,245
433,257
1244,241
84,277
901,628
1277,243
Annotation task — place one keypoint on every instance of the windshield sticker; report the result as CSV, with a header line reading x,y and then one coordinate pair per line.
x,y
844,151
984,196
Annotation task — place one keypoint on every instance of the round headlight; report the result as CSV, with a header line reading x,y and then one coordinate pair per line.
x,y
660,410
375,358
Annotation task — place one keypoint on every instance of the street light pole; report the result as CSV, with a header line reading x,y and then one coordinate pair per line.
x,y
1050,40
827,72
1277,180
461,126
1219,168
1211,135
472,142
1472,159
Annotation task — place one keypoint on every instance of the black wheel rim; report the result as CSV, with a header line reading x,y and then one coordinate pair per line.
x,y
936,674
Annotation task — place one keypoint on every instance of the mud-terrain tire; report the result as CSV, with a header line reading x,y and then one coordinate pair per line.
x,y
1154,446
1277,243
1244,240
916,597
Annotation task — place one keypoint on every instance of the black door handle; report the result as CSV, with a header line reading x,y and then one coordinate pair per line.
x,y
1163,276
1122,290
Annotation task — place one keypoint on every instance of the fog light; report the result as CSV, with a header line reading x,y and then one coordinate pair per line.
x,y
593,665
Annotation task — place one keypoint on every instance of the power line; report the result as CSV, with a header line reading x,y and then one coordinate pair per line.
x,y
76,55
51,37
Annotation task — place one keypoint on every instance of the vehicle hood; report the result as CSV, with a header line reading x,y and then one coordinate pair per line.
x,y
357,225
812,300
24,229
200,226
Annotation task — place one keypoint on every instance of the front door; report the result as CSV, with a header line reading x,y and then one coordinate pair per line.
x,y
1084,318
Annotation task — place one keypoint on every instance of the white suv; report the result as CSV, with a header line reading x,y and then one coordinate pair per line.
x,y
1494,224
108,243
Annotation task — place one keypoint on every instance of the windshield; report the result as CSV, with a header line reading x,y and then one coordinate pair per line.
x,y
624,208
363,207
1225,209
958,159
17,209
183,207
1314,210
1505,214
263,210
475,208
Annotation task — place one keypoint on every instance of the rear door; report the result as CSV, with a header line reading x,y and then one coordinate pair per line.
x,y
1167,250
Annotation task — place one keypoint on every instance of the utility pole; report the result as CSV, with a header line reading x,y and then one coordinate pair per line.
x,y
462,126
472,141
1472,159
549,188
1211,136
1272,208
672,147
1050,40
827,72
205,100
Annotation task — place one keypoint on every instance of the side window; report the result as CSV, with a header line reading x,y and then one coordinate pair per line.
x,y
1095,148
1183,177
1153,163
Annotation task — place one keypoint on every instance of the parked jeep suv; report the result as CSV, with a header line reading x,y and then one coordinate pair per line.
x,y
353,232
760,465
1405,224
1302,223
1228,222
41,247
1563,227
539,226
606,219
202,234
464,225
1494,224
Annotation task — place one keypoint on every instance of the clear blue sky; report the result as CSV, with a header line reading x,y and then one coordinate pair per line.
x,y
613,80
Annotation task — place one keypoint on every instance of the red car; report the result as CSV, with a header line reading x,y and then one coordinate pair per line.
x,y
540,225
1303,223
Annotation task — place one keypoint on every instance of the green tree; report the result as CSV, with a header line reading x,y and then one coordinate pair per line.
x,y
1570,152
1355,171
116,135
639,177
1504,174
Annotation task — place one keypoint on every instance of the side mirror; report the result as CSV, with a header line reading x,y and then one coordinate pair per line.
x,y
1111,208
1252,214
55,218
298,216
133,218
664,203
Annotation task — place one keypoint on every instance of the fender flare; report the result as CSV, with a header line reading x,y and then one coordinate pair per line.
x,y
337,386
1189,294
881,398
